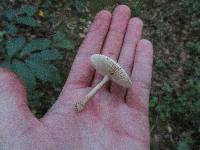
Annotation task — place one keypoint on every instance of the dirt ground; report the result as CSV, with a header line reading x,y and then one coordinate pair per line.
x,y
173,26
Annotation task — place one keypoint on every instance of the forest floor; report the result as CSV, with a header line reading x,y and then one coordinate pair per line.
x,y
173,26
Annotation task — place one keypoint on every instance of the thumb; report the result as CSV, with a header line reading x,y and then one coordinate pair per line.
x,y
15,116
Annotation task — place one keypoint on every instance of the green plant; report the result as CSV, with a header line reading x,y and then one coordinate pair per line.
x,y
22,16
185,144
32,58
79,5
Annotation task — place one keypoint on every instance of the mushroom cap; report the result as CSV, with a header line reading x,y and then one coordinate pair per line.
x,y
107,66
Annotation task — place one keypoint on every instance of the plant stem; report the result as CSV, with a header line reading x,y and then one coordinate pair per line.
x,y
81,105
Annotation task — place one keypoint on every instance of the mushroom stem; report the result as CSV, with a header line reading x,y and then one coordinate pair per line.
x,y
79,106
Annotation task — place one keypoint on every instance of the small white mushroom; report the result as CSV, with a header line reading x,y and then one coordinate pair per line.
x,y
111,70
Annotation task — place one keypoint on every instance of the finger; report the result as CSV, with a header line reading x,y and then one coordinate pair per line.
x,y
15,116
138,95
115,35
127,53
81,72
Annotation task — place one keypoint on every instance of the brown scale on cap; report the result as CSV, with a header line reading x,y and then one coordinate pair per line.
x,y
111,70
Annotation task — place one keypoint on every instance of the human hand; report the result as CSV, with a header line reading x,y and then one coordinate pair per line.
x,y
116,118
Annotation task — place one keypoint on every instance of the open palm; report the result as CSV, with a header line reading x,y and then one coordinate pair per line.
x,y
116,118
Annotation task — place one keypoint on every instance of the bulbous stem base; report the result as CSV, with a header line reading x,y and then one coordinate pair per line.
x,y
79,106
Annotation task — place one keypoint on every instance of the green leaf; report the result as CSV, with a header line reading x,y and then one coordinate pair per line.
x,y
61,41
153,101
5,64
25,73
26,20
79,5
64,44
2,33
11,29
9,14
30,10
46,55
44,72
37,44
185,144
33,96
59,36
137,7
14,45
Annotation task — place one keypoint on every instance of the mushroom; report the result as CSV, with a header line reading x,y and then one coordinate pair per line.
x,y
111,70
